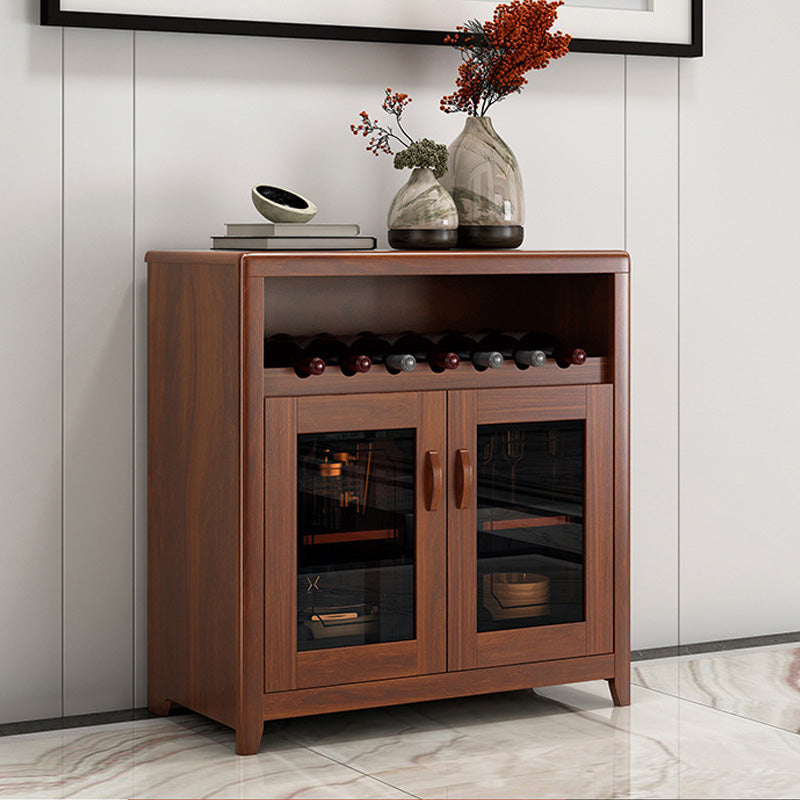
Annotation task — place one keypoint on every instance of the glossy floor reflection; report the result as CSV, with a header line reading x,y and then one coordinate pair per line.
x,y
760,683
560,742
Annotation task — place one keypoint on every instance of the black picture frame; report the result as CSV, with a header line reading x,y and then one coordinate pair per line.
x,y
52,14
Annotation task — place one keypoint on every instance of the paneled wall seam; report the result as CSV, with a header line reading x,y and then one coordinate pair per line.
x,y
678,354
63,371
625,152
133,370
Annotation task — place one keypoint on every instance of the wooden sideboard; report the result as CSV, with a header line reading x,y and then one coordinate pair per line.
x,y
240,570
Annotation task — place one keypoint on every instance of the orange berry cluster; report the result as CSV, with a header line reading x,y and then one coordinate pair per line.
x,y
394,104
499,52
379,137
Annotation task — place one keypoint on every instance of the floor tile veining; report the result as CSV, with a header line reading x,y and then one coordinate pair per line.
x,y
686,735
760,683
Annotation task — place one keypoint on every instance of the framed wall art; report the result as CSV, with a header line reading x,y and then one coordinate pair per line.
x,y
639,27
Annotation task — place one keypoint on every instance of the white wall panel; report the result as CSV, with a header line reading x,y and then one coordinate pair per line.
x,y
30,365
213,116
740,428
98,371
652,240
217,114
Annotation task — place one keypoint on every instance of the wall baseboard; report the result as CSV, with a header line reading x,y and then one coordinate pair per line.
x,y
79,721
714,647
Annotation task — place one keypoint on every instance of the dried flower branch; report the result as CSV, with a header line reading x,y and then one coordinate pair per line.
x,y
415,153
497,54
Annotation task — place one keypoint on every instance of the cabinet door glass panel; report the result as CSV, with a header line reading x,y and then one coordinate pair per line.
x,y
530,524
356,538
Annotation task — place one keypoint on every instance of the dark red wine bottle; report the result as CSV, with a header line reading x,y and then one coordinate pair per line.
x,y
382,352
334,352
281,351
468,350
508,345
565,354
423,349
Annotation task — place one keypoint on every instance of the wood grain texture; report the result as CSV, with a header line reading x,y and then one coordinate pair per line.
x,y
599,519
280,543
462,526
433,477
405,262
223,492
433,687
578,307
431,543
620,685
193,488
526,405
198,257
426,414
251,583
284,382
363,412
463,262
523,645
343,665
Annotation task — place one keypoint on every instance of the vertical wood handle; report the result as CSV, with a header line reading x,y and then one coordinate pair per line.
x,y
463,478
433,480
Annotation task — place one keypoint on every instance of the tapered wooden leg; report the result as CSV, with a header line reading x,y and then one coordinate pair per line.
x,y
248,739
159,706
620,690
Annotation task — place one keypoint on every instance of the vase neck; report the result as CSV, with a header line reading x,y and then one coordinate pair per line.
x,y
421,175
482,123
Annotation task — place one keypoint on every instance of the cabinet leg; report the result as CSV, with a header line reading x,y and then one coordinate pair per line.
x,y
620,690
159,706
248,739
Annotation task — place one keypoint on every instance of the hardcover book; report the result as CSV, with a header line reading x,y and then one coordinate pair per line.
x,y
293,242
290,229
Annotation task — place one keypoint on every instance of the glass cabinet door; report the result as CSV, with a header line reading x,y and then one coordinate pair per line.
x,y
356,538
530,550
532,516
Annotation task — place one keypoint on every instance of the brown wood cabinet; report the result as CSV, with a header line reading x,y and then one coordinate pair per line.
x,y
340,542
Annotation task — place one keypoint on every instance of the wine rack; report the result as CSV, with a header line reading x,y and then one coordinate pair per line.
x,y
362,538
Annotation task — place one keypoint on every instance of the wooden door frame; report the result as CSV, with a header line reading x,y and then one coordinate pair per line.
x,y
468,649
285,418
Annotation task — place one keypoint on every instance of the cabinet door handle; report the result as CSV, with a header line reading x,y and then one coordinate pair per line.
x,y
463,478
433,480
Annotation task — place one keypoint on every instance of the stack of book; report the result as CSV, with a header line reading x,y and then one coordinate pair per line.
x,y
291,236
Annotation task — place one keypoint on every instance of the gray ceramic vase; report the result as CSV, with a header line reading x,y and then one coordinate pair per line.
x,y
484,179
423,216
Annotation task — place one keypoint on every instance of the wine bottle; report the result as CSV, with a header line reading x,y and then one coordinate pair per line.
x,y
334,352
281,351
468,350
423,349
382,352
507,344
565,354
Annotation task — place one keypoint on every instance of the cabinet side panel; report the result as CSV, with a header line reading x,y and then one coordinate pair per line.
x,y
620,686
193,487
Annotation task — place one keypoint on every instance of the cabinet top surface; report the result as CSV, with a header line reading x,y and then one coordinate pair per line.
x,y
402,262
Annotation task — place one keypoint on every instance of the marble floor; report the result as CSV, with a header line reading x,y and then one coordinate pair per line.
x,y
721,725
